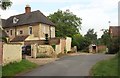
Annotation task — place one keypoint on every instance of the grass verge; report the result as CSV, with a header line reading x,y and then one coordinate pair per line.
x,y
106,68
15,68
0,71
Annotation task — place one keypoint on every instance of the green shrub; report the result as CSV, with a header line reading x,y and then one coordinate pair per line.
x,y
53,46
114,46
3,39
86,50
80,41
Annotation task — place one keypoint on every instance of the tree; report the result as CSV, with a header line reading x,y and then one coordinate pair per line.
x,y
105,38
91,36
67,24
4,4
81,42
114,46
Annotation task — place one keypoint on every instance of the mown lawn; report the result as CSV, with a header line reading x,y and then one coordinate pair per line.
x,y
15,68
106,68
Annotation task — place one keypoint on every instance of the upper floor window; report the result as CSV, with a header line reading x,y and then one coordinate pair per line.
x,y
10,32
30,30
21,32
15,20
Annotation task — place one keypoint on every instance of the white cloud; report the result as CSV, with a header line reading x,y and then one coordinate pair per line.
x,y
7,13
96,14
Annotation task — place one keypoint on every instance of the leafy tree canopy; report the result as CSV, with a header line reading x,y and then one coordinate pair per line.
x,y
67,24
105,38
81,42
4,4
91,35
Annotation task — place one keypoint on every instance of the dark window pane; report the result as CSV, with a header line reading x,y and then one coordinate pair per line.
x,y
21,32
10,32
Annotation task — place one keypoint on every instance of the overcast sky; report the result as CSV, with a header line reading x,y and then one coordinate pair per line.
x,y
94,13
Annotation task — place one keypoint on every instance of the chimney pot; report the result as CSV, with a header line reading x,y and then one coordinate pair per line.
x,y
27,9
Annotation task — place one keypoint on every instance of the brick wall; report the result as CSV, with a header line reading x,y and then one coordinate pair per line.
x,y
101,48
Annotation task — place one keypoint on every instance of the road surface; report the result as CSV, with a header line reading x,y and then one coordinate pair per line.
x,y
78,65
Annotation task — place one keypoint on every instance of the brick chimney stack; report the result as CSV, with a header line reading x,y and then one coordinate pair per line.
x,y
27,9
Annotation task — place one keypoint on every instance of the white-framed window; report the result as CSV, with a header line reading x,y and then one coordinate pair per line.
x,y
15,20
30,30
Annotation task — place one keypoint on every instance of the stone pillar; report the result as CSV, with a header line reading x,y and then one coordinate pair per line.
x,y
75,49
34,50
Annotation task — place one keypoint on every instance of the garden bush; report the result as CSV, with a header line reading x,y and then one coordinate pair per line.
x,y
81,42
114,46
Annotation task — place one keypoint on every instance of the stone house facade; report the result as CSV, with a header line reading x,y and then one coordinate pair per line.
x,y
29,23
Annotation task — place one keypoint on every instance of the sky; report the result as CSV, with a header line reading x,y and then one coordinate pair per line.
x,y
94,13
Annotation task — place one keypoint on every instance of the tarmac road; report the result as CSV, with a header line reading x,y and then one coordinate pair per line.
x,y
78,65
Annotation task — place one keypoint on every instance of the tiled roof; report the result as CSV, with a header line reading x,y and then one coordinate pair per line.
x,y
3,22
28,19
19,38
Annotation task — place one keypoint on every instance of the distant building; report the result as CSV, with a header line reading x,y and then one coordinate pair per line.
x,y
93,48
114,31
